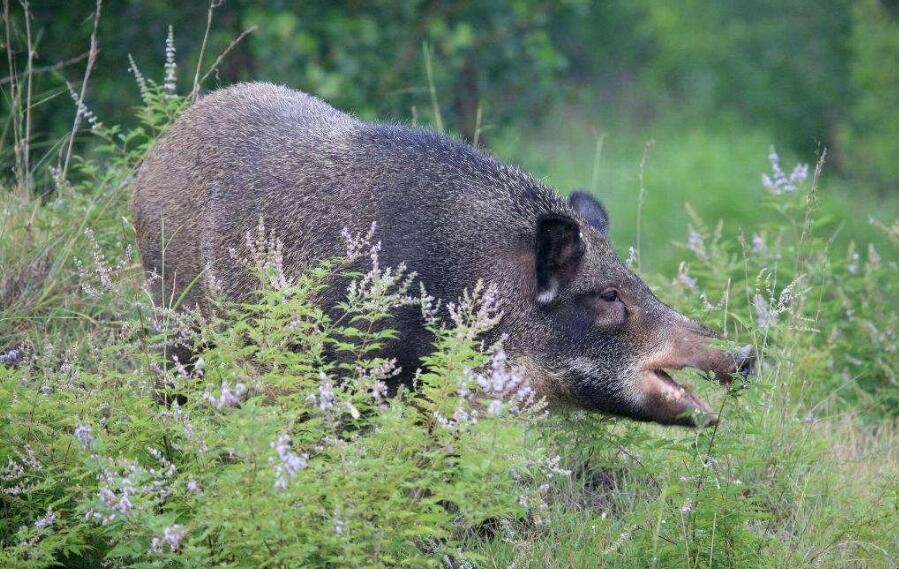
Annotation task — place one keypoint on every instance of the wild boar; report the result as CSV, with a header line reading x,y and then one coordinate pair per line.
x,y
587,330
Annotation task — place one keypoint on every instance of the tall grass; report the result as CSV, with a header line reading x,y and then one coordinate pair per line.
x,y
268,453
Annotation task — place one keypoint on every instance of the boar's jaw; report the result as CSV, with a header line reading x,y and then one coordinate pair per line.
x,y
668,402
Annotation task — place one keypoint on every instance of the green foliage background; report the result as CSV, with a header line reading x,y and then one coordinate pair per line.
x,y
667,111
812,74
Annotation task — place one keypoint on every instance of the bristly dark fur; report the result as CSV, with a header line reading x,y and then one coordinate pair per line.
x,y
452,212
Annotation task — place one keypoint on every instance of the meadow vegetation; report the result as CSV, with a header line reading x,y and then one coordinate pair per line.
x,y
267,452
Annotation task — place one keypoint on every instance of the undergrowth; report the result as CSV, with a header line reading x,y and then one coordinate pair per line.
x,y
269,451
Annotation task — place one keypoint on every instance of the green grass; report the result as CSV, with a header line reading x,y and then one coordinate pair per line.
x,y
802,472
714,167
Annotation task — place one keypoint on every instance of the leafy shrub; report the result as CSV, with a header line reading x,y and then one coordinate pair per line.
x,y
265,451
280,446
868,137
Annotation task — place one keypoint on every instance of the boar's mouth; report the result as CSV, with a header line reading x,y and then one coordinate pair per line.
x,y
668,402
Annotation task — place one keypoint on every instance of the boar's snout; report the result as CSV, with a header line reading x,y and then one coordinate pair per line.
x,y
688,346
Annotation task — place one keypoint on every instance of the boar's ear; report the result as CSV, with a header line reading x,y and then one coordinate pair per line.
x,y
559,251
590,209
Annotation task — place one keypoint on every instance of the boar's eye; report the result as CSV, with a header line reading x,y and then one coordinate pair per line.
x,y
609,295
607,309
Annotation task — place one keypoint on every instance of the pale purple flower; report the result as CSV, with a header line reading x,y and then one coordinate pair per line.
x,y
358,245
265,257
228,398
16,472
501,382
140,79
11,357
126,486
764,315
633,257
326,398
779,182
854,259
380,290
169,82
684,279
429,307
84,434
696,242
82,110
199,366
340,526
171,539
759,247
47,520
554,468
288,464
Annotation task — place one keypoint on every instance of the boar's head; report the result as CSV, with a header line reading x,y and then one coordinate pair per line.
x,y
600,339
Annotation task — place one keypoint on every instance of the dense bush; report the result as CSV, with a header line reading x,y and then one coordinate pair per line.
x,y
813,74
268,452
869,139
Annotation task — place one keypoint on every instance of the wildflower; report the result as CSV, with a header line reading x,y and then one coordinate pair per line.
x,y
47,520
764,316
101,271
326,398
228,398
463,415
778,182
625,535
82,110
503,383
266,257
59,182
696,242
379,290
429,309
10,358
554,468
84,435
687,507
169,82
179,367
477,311
633,257
118,502
684,279
379,391
354,413
16,471
357,245
193,486
854,258
340,526
126,486
759,247
288,464
140,79
171,538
